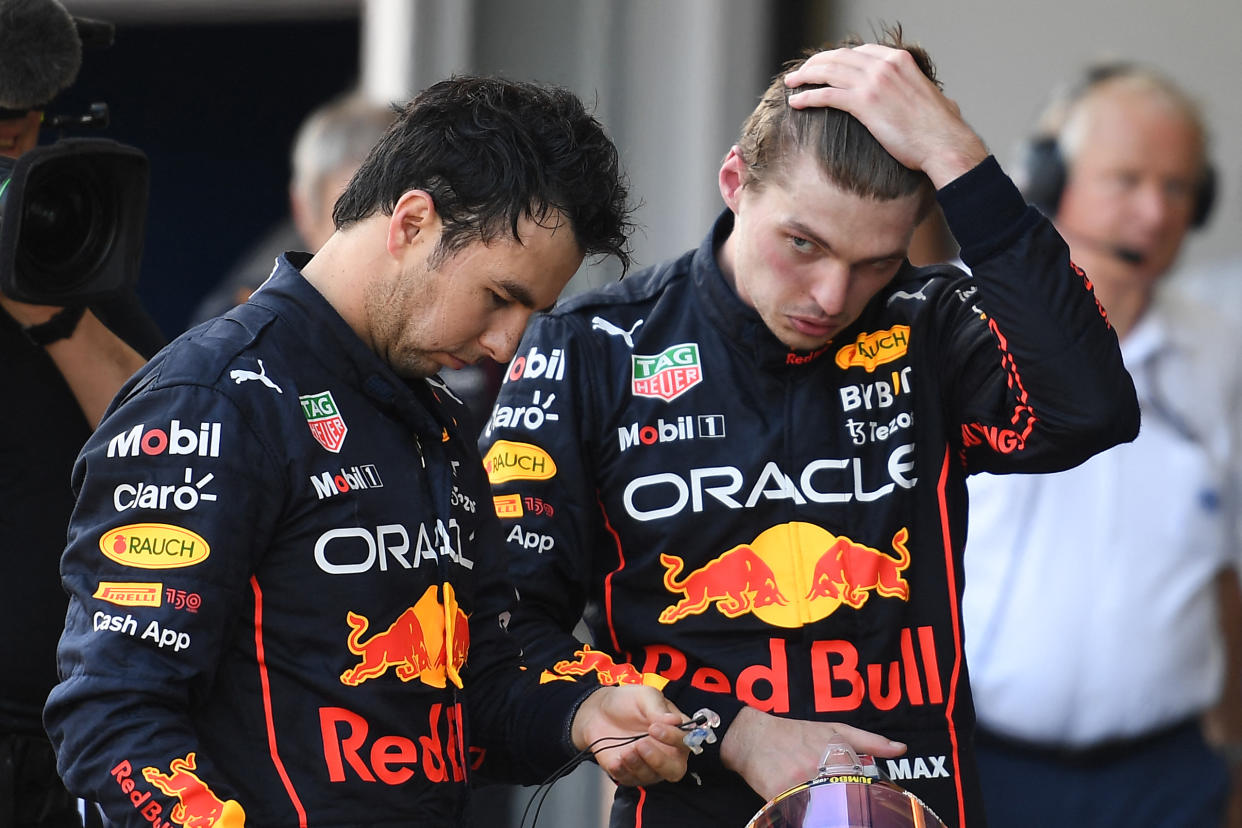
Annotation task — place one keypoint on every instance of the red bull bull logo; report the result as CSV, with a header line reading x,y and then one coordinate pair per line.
x,y
197,805
429,642
606,670
767,577
736,582
848,572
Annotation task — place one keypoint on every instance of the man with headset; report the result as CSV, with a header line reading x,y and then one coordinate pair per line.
x,y
1092,619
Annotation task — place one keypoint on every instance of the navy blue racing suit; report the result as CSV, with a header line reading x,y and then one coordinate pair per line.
x,y
744,524
285,594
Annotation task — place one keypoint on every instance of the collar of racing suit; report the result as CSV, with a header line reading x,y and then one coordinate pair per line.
x,y
411,402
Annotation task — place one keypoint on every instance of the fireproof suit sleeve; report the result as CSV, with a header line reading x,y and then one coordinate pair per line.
x,y
159,550
538,463
540,459
1061,392
519,726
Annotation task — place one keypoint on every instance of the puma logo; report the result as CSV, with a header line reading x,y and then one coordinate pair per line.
x,y
599,323
239,376
902,294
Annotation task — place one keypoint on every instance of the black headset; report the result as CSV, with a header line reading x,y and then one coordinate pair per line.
x,y
1045,167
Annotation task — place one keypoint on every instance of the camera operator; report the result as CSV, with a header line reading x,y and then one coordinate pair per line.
x,y
61,367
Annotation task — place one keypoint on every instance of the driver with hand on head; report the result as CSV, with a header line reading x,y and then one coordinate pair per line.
x,y
748,465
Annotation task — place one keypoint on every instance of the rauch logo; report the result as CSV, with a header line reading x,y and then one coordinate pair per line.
x,y
154,546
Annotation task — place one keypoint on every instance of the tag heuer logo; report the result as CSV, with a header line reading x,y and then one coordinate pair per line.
x,y
669,374
325,422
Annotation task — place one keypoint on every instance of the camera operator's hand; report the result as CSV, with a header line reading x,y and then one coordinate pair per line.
x,y
26,314
94,361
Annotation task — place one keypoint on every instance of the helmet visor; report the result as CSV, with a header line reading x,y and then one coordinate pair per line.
x,y
824,803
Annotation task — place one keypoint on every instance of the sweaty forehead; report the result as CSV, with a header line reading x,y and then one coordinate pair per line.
x,y
541,264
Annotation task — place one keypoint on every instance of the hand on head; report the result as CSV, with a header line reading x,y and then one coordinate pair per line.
x,y
888,92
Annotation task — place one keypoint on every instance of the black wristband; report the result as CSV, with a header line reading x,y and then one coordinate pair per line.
x,y
60,326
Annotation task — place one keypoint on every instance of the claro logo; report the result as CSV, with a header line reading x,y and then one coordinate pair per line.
x,y
507,460
154,546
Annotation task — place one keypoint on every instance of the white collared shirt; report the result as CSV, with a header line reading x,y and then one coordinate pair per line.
x,y
1090,608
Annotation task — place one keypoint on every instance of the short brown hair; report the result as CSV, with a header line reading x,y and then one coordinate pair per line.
x,y
847,152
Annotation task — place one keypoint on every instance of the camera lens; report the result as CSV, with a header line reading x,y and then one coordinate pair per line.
x,y
72,215
68,226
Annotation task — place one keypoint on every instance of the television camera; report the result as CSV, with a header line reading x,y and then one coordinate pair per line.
x,y
73,212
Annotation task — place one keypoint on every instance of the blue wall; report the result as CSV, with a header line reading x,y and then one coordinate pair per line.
x,y
215,108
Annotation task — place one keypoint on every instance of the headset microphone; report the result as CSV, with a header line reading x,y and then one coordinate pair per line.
x,y
1119,251
1128,255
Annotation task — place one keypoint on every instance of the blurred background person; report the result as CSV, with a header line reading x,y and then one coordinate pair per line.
x,y
330,144
62,365
1093,607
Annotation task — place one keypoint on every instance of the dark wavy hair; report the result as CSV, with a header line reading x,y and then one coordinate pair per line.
x,y
490,151
847,152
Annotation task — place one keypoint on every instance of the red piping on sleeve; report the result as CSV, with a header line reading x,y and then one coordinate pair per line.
x,y
950,573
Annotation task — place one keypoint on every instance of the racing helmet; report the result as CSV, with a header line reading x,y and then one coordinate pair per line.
x,y
848,792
